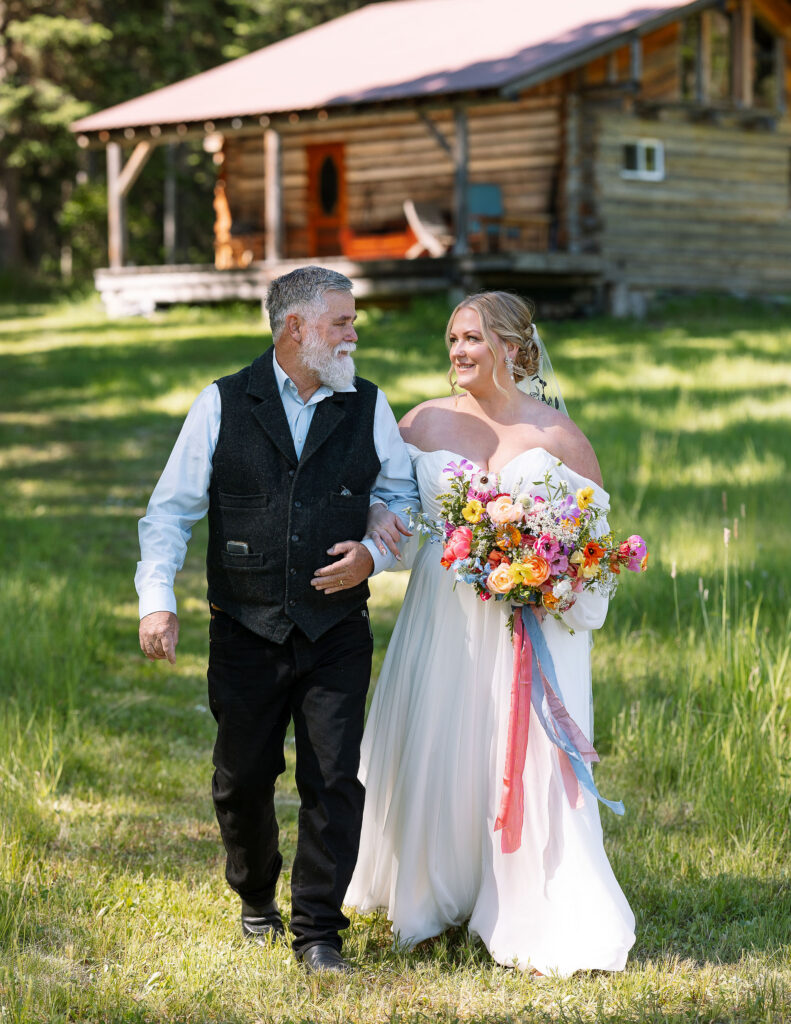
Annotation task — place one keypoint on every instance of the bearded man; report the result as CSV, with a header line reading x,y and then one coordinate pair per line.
x,y
285,456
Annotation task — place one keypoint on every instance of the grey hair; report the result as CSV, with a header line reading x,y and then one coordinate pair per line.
x,y
301,291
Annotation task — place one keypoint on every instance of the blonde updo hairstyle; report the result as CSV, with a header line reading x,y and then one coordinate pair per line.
x,y
504,318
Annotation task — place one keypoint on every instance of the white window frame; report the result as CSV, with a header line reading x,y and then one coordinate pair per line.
x,y
642,173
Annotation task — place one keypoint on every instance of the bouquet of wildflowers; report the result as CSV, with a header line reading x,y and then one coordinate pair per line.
x,y
527,547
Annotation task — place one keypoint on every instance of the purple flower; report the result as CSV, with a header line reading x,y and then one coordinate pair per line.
x,y
458,469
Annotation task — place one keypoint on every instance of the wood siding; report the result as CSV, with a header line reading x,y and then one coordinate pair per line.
x,y
721,218
390,157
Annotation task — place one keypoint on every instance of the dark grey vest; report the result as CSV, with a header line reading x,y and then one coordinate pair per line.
x,y
287,511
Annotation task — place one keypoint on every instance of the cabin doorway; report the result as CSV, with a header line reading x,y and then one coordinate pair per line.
x,y
326,200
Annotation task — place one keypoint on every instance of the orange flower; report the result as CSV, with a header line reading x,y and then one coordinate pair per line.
x,y
533,570
550,601
497,558
592,552
508,536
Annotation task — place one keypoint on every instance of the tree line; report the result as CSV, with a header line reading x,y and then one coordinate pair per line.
x,y
63,59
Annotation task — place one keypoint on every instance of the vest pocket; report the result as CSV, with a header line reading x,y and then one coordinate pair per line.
x,y
248,561
242,500
355,501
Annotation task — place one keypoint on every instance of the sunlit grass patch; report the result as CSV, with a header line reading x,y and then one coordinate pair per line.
x,y
113,905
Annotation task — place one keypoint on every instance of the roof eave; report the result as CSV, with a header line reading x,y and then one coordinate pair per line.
x,y
602,49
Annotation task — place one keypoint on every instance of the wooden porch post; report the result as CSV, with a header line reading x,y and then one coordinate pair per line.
x,y
461,160
119,182
273,195
115,207
743,55
170,220
703,60
781,100
636,58
572,183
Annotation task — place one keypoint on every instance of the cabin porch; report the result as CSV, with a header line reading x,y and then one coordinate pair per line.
x,y
559,281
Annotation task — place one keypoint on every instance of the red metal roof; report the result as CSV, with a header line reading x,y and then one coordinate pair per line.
x,y
389,51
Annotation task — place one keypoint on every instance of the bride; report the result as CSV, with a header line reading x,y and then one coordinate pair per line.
x,y
434,749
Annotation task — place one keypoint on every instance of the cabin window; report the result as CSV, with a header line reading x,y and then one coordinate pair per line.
x,y
643,159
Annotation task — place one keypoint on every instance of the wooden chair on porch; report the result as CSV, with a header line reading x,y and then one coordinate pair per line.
x,y
491,231
432,233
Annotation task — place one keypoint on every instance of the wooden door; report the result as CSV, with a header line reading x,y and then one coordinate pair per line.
x,y
326,200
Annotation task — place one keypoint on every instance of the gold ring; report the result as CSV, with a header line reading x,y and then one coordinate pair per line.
x,y
341,582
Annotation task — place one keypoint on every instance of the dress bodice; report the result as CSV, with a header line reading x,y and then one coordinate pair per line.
x,y
525,471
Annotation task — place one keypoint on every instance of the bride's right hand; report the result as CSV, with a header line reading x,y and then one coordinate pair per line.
x,y
385,529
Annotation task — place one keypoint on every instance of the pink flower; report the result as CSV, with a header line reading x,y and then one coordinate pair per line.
x,y
503,510
550,549
547,547
458,545
637,551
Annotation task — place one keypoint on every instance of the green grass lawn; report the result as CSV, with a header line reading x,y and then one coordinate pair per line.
x,y
113,905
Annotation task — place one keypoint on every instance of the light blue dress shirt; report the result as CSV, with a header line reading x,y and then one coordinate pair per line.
x,y
181,497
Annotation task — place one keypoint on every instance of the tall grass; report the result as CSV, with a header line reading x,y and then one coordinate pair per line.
x,y
112,901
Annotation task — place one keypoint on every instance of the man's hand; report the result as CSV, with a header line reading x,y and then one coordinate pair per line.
x,y
349,571
159,634
385,529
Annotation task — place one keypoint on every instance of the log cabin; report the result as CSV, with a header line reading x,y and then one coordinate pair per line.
x,y
608,150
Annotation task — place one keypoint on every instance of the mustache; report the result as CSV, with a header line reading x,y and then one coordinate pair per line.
x,y
346,349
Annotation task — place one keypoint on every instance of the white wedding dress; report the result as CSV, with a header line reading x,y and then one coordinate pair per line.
x,y
432,764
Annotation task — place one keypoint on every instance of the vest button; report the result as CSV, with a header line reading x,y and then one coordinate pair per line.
x,y
292,602
297,504
291,472
292,572
295,536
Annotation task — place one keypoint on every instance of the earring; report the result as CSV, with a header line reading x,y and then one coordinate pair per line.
x,y
509,365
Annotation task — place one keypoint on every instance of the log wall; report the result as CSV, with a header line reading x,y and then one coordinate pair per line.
x,y
390,157
720,218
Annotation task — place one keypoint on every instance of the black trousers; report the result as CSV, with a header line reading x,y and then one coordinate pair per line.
x,y
256,687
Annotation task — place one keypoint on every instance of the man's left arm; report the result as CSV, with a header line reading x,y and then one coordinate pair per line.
x,y
395,487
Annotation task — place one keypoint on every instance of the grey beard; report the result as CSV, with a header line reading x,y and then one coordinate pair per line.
x,y
333,371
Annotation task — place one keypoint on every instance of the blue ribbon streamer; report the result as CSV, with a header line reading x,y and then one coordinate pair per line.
x,y
542,659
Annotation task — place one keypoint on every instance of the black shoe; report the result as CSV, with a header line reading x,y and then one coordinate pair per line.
x,y
322,956
262,925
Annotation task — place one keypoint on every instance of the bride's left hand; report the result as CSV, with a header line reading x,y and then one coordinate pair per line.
x,y
385,529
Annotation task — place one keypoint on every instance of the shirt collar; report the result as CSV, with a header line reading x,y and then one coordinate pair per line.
x,y
285,383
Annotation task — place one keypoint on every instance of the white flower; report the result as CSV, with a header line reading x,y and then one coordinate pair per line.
x,y
562,589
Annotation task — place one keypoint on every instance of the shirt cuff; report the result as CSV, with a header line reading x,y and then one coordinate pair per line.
x,y
381,562
157,599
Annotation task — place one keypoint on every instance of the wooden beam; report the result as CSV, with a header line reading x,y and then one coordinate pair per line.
x,y
273,194
434,131
461,159
134,165
703,60
115,207
636,59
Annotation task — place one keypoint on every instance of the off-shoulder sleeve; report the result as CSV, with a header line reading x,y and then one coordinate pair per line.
x,y
590,609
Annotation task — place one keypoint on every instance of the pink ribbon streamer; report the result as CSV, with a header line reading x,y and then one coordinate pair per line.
x,y
512,801
510,817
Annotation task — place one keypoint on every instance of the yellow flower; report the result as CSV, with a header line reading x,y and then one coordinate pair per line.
x,y
586,571
584,497
473,511
533,570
